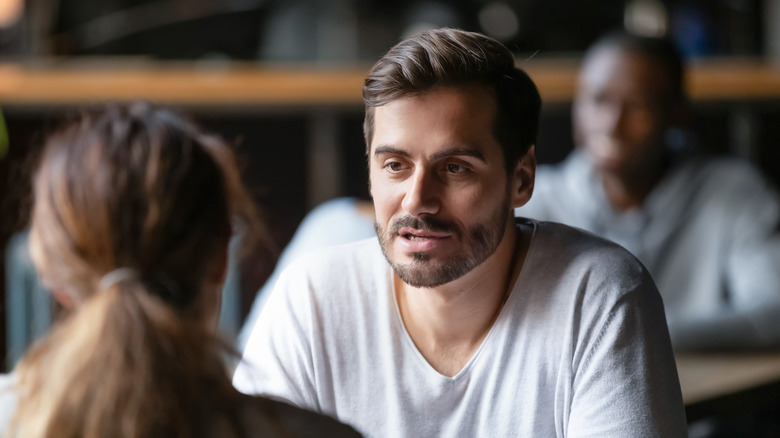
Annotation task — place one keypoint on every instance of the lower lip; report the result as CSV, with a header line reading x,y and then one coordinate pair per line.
x,y
425,245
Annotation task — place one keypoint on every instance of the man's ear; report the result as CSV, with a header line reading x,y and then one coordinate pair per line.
x,y
523,178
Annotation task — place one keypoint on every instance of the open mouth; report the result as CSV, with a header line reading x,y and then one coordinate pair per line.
x,y
415,235
415,240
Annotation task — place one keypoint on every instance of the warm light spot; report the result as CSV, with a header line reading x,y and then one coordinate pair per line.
x,y
10,11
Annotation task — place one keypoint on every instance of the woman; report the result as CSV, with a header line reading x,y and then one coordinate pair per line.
x,y
134,208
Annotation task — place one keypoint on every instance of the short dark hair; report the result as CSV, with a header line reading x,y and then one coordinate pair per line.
x,y
452,57
661,50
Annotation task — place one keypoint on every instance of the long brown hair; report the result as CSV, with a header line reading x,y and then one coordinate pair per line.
x,y
145,201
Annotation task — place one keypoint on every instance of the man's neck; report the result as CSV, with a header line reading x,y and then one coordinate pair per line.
x,y
448,323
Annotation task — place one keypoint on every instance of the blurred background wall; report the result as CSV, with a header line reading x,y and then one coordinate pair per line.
x,y
349,30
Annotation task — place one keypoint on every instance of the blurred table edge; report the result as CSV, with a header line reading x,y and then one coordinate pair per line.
x,y
717,383
294,85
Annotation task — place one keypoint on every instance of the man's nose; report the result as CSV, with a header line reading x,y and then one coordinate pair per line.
x,y
422,194
613,118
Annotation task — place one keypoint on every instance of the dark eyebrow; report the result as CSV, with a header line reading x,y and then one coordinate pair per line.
x,y
459,151
383,149
437,156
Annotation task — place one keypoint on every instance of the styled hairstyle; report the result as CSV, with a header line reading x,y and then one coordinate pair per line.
x,y
137,190
454,58
662,51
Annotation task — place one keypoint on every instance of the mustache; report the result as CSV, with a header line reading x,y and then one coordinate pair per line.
x,y
429,224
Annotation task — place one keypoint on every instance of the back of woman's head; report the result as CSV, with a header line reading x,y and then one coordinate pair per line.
x,y
133,209
133,187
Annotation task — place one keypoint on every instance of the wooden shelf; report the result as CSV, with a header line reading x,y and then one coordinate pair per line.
x,y
298,86
180,85
708,80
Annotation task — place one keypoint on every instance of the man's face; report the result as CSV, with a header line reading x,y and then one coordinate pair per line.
x,y
438,181
620,111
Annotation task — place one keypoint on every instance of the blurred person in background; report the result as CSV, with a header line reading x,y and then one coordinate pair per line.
x,y
133,210
708,229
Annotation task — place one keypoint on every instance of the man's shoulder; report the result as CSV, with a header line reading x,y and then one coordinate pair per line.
x,y
361,259
573,250
573,239
568,266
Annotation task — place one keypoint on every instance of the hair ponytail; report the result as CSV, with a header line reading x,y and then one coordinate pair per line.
x,y
123,365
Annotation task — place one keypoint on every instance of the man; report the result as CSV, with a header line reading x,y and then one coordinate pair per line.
x,y
457,320
706,229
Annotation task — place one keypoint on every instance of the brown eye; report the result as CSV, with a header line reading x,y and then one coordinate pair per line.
x,y
455,168
394,166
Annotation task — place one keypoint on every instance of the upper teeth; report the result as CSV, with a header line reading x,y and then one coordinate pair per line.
x,y
416,237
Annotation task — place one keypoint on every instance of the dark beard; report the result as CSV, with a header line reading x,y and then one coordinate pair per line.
x,y
481,242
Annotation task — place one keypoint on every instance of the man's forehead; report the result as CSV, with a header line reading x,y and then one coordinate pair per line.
x,y
442,103
452,117
615,66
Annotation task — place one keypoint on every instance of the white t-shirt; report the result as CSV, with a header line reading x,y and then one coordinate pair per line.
x,y
7,400
579,349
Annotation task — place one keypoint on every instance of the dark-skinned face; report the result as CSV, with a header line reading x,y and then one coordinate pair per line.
x,y
621,111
